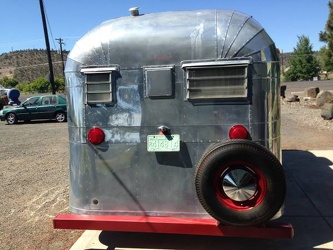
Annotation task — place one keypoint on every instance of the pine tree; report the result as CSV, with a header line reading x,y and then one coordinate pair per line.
x,y
303,64
327,37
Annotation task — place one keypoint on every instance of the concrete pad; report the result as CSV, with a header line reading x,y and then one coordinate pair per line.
x,y
328,245
308,207
297,203
330,222
89,240
312,172
310,233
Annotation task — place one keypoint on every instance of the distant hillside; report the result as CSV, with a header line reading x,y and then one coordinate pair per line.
x,y
28,65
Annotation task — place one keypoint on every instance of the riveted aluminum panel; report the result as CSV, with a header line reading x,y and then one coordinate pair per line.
x,y
119,176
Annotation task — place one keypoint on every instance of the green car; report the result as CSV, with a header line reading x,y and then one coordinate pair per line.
x,y
36,108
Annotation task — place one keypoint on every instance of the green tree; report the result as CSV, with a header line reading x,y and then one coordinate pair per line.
x,y
324,59
8,82
327,37
59,84
303,64
24,87
40,85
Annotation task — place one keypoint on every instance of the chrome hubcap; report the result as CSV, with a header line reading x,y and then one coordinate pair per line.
x,y
60,117
239,184
11,118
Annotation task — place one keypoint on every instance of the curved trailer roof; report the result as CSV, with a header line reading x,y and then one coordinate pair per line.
x,y
170,37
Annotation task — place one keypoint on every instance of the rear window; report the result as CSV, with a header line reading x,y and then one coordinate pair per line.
x,y
62,99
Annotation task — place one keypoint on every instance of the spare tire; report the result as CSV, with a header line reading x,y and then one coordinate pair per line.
x,y
240,183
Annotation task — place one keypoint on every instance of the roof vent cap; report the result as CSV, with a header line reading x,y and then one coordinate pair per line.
x,y
134,11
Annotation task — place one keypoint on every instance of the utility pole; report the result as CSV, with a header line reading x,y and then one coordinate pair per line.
x,y
47,47
60,40
282,62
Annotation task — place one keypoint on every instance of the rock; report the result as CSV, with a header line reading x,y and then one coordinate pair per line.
x,y
323,97
327,111
307,98
294,98
311,92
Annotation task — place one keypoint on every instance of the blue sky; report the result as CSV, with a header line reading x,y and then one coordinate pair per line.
x,y
21,24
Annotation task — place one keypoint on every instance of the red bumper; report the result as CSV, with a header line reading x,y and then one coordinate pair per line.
x,y
170,225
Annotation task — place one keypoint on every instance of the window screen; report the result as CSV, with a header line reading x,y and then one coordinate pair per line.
x,y
217,81
98,85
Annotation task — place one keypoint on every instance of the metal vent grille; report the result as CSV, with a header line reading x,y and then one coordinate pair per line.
x,y
98,85
217,82
99,88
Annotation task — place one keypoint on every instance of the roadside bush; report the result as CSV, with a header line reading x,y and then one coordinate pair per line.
x,y
59,84
8,82
25,87
40,85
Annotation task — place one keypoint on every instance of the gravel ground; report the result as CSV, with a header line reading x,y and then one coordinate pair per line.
x,y
303,128
34,174
34,185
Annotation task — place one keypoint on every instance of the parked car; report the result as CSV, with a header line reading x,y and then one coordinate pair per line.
x,y
35,108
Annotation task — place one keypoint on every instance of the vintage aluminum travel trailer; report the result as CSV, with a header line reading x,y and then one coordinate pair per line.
x,y
174,125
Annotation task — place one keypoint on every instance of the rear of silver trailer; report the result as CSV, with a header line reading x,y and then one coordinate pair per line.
x,y
176,114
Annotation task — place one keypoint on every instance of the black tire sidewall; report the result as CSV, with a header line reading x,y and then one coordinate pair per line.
x,y
255,155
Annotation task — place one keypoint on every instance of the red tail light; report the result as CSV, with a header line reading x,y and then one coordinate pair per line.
x,y
238,132
96,135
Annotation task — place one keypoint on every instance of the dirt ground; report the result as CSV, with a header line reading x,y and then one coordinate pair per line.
x,y
302,128
34,174
34,185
